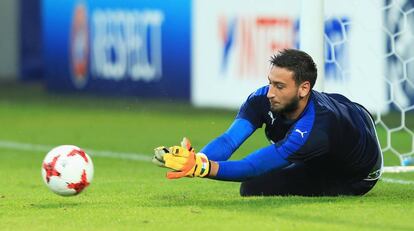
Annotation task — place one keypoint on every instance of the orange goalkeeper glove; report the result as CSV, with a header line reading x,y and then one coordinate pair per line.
x,y
186,163
159,152
183,160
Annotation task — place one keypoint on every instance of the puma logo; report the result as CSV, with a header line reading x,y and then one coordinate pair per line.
x,y
300,132
271,116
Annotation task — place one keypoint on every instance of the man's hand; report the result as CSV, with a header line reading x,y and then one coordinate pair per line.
x,y
158,158
185,143
183,160
186,163
159,152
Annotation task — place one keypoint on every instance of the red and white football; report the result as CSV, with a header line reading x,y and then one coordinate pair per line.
x,y
67,170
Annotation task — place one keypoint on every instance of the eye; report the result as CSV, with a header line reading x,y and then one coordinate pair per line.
x,y
279,86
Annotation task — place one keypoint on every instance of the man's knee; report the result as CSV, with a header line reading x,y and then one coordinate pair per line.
x,y
251,188
246,190
272,184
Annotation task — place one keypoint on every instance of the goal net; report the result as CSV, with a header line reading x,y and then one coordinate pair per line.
x,y
369,53
398,28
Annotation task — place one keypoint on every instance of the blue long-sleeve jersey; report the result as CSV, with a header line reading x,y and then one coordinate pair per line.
x,y
332,134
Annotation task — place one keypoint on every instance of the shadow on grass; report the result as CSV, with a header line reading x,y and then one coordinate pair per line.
x,y
382,193
56,205
227,203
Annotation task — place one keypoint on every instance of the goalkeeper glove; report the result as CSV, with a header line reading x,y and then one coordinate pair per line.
x,y
186,163
158,158
159,152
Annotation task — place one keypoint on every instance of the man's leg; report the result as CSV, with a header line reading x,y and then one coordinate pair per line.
x,y
292,180
300,180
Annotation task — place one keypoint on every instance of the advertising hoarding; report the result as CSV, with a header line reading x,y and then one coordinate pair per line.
x,y
125,47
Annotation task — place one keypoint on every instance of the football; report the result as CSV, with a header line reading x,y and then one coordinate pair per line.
x,y
67,170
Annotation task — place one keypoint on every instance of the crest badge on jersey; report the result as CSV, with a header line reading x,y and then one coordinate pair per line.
x,y
79,46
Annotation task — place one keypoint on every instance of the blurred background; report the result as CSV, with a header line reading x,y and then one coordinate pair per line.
x,y
186,49
208,54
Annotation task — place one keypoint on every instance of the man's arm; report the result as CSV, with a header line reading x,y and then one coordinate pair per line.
x,y
255,164
273,156
264,160
248,119
225,145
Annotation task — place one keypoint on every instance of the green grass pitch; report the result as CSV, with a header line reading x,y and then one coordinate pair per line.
x,y
135,195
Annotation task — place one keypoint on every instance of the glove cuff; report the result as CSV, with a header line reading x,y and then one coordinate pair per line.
x,y
203,165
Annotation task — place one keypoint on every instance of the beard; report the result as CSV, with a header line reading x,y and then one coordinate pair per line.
x,y
289,107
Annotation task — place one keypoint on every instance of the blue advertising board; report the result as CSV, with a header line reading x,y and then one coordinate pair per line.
x,y
129,47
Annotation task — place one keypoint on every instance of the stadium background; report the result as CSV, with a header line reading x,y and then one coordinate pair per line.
x,y
121,77
148,48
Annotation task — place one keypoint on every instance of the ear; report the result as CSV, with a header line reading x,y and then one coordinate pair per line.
x,y
304,89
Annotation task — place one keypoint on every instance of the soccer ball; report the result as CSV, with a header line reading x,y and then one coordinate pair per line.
x,y
67,170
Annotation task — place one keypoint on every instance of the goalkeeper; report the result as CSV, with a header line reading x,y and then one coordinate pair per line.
x,y
321,144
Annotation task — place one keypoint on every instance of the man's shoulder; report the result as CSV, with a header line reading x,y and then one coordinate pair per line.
x,y
261,92
257,100
255,106
334,109
332,102
329,98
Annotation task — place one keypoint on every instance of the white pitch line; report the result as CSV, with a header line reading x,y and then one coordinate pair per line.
x,y
5,144
397,181
46,148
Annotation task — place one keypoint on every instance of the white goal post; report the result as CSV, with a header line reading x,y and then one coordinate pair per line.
x,y
312,35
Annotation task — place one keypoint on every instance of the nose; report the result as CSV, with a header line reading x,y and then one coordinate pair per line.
x,y
270,93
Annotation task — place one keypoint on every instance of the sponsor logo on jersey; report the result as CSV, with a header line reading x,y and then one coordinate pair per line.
x,y
272,117
300,132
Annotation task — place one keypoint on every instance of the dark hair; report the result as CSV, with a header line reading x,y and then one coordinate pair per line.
x,y
299,62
